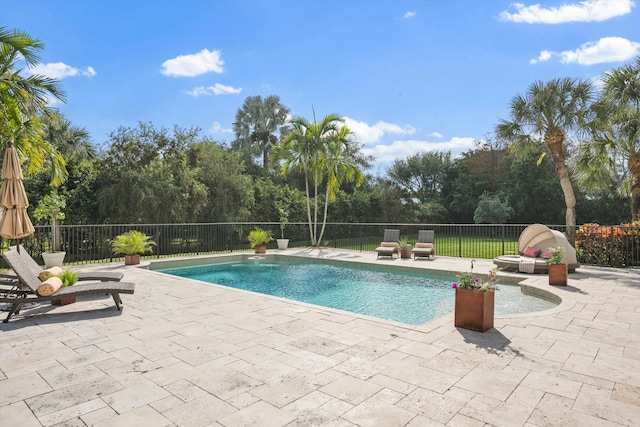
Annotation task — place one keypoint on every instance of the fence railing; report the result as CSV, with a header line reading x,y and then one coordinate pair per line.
x,y
616,246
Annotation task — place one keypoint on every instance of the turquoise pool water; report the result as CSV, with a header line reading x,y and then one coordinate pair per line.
x,y
403,297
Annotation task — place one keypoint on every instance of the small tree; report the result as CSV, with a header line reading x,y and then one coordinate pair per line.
x,y
492,210
51,207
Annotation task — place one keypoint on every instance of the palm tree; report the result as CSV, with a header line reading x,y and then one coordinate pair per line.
x,y
68,140
550,113
320,150
616,130
256,123
23,98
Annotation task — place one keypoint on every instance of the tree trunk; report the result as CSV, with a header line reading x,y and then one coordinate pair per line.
x,y
555,142
634,167
306,181
324,219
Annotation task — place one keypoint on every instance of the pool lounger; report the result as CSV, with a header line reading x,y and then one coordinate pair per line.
x,y
28,280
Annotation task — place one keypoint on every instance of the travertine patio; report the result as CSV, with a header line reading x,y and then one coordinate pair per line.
x,y
188,354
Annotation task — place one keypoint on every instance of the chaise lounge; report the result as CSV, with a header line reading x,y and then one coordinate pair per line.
x,y
424,245
101,276
27,291
389,244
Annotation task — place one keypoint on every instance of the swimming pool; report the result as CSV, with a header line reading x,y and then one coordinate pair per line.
x,y
412,298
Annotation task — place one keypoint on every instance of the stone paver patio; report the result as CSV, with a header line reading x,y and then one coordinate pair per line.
x,y
183,353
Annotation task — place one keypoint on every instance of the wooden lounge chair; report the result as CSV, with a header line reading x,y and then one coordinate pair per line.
x,y
389,245
29,282
424,246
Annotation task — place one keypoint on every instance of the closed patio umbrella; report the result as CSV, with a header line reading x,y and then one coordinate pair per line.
x,y
15,222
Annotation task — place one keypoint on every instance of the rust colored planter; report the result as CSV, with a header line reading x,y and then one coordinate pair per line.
x,y
474,310
63,301
260,249
558,274
405,253
131,259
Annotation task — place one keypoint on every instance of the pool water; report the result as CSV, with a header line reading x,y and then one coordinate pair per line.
x,y
412,298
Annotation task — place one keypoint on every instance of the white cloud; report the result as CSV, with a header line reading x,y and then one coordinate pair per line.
x,y
584,11
217,89
409,15
403,149
194,64
217,128
367,134
435,135
60,70
607,49
545,55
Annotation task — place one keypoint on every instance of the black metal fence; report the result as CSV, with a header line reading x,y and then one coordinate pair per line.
x,y
616,246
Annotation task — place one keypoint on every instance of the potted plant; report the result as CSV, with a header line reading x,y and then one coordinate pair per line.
x,y
51,207
475,301
132,244
284,220
404,247
558,270
258,239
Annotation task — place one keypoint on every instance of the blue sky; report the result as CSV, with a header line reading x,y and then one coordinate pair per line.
x,y
408,76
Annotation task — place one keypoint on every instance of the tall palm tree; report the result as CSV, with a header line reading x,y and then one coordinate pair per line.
x,y
23,98
616,144
550,113
319,150
255,125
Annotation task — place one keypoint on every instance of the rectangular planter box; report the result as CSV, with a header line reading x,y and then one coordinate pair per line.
x,y
474,310
558,274
63,301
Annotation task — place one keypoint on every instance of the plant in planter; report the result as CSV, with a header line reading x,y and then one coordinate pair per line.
x,y
475,301
284,220
67,278
258,239
51,207
404,247
558,270
132,244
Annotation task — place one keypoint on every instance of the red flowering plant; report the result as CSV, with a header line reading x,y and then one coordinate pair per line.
x,y
472,282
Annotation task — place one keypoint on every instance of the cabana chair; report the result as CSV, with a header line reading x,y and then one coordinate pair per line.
x,y
424,246
29,282
533,243
389,245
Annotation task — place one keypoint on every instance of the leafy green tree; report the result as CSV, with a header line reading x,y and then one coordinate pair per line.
x,y
255,125
23,98
549,113
613,157
320,150
229,189
492,210
421,175
145,177
533,192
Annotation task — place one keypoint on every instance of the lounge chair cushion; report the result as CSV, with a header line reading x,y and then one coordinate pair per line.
x,y
388,245
532,252
49,286
53,271
424,245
